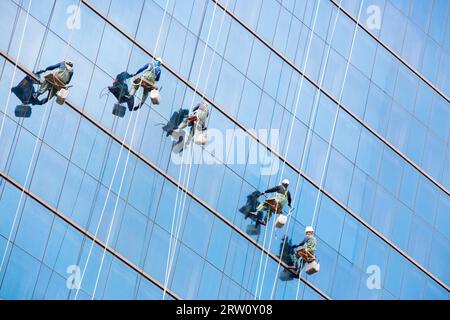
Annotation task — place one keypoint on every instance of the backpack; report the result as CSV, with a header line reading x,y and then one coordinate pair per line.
x,y
25,89
120,89
175,120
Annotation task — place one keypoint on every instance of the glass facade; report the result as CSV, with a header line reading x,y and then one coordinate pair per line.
x,y
361,111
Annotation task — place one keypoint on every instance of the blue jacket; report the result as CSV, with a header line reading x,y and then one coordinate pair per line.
x,y
310,242
155,66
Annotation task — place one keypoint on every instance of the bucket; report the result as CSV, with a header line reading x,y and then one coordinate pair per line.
x,y
23,111
61,96
312,267
155,96
119,110
281,221
200,138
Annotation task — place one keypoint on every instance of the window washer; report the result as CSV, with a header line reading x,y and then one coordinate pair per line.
x,y
197,118
306,250
151,74
282,196
55,83
196,121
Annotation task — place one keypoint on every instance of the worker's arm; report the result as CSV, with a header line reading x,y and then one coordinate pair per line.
x,y
301,243
51,68
142,69
56,66
158,74
70,77
274,189
289,199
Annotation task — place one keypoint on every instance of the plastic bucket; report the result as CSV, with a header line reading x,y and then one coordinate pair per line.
x,y
155,96
281,221
312,267
200,138
61,96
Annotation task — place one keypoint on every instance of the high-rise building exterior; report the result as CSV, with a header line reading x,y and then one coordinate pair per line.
x,y
349,100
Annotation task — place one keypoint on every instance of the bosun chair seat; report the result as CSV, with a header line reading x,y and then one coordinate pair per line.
x,y
272,203
59,87
306,255
144,83
54,81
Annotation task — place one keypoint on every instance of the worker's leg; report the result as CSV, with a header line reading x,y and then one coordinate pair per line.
x,y
202,117
262,206
45,85
183,124
268,215
134,89
43,101
144,96
295,261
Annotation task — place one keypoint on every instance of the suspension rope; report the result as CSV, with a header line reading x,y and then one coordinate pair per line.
x,y
309,135
320,189
169,159
103,164
305,64
41,126
8,48
19,52
175,211
186,177
123,175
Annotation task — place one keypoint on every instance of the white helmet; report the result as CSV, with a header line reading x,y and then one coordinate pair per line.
x,y
285,181
309,229
159,59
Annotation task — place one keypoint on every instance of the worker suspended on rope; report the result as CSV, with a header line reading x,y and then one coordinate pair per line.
x,y
196,122
197,119
29,89
55,82
305,253
275,204
151,74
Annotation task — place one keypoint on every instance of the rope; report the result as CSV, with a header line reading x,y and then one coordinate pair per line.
x,y
182,202
161,143
319,191
123,174
40,126
12,150
19,52
285,157
307,139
